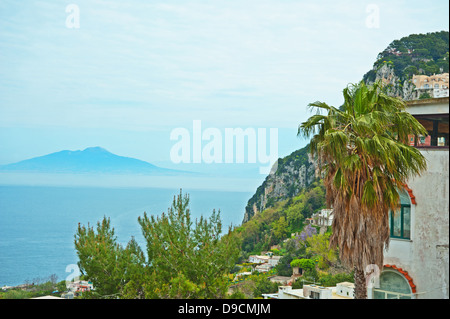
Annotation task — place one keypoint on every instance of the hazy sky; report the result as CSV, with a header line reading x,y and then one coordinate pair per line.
x,y
135,70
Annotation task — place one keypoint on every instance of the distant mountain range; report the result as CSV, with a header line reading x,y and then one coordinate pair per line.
x,y
90,160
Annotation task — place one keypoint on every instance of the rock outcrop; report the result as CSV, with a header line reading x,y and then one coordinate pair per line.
x,y
293,173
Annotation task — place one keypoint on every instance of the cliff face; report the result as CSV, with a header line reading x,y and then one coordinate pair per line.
x,y
416,54
292,173
395,86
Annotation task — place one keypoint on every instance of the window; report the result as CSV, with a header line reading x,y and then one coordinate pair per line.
x,y
392,286
438,131
400,220
314,295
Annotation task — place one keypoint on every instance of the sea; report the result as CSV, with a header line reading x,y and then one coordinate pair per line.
x,y
38,223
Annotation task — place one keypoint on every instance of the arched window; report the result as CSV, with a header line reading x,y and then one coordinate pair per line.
x,y
400,220
392,286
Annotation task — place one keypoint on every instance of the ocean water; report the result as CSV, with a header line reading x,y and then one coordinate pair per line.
x,y
38,223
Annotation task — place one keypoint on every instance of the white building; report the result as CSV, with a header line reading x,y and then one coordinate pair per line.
x,y
263,267
258,259
274,261
437,85
416,264
323,218
80,286
344,290
266,263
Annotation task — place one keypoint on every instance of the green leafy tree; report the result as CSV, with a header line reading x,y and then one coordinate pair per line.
x,y
263,286
320,245
425,95
365,159
304,263
188,256
185,259
102,259
280,228
294,215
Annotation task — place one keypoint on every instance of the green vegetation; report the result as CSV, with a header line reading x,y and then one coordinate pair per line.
x,y
296,159
425,95
39,287
276,223
415,54
254,286
322,278
306,264
185,259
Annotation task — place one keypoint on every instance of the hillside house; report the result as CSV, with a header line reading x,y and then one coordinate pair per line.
x,y
266,263
258,259
436,85
80,286
274,261
344,290
322,218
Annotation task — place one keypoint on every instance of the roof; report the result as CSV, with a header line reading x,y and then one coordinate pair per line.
x,y
410,193
405,274
280,278
346,283
47,297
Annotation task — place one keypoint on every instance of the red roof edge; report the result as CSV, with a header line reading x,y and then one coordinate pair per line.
x,y
406,275
410,193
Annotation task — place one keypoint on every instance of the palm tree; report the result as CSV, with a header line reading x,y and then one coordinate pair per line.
x,y
363,156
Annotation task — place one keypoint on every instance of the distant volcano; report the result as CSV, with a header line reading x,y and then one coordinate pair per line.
x,y
90,160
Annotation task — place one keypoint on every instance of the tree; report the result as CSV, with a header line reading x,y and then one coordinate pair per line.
x,y
263,286
363,154
425,95
304,263
319,245
294,215
101,258
185,259
280,228
190,259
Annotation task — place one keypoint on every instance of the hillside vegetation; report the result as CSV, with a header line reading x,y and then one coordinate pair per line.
x,y
415,54
276,223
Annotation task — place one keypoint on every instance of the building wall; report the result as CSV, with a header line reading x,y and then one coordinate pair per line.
x,y
425,256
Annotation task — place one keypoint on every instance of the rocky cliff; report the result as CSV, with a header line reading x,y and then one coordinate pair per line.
x,y
395,86
289,175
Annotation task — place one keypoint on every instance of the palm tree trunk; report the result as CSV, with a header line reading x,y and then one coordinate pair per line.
x,y
360,284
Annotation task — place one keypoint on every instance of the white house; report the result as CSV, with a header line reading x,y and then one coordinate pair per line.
x,y
258,259
344,290
416,265
80,286
323,218
263,267
274,261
